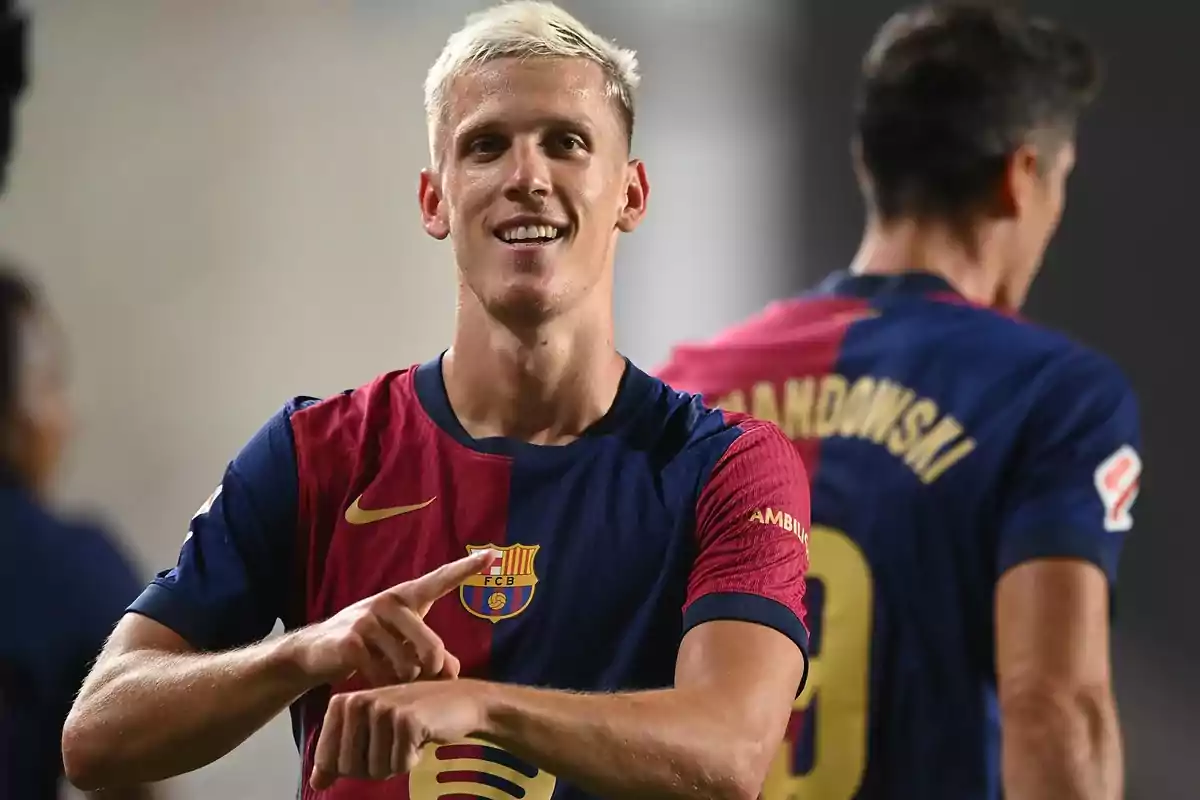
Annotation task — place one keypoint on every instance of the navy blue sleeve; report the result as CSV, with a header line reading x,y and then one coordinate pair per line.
x,y
1077,470
231,582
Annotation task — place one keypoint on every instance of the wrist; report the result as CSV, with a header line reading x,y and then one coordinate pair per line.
x,y
287,659
493,707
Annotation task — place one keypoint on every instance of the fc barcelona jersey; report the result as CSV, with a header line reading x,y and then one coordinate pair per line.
x,y
946,443
664,515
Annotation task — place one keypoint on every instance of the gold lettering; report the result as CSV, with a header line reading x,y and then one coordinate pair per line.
x,y
914,423
874,409
798,408
757,516
887,405
734,402
829,405
858,403
922,453
948,460
764,404
774,517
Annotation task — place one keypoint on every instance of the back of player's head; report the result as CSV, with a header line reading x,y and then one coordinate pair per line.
x,y
951,91
528,29
12,77
17,300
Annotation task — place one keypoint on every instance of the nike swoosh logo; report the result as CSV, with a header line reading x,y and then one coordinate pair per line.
x,y
356,515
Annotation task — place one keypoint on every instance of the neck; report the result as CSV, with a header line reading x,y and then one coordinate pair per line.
x,y
545,384
909,246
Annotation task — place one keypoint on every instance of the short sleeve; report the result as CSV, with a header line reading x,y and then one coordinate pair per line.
x,y
1076,472
752,521
231,582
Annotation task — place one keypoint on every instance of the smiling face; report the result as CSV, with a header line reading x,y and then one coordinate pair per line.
x,y
534,184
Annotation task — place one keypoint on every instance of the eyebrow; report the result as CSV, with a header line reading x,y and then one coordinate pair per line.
x,y
495,125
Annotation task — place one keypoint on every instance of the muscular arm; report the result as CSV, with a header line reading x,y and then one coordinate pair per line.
x,y
114,735
713,735
1061,734
181,681
1066,514
152,708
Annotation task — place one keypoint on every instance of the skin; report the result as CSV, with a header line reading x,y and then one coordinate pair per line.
x,y
43,421
1061,734
532,141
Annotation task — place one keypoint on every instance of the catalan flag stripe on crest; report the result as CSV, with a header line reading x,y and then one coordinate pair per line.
x,y
518,561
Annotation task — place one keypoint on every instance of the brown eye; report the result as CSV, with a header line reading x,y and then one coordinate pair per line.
x,y
567,143
485,146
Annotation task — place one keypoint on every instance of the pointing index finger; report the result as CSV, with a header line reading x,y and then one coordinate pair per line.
x,y
446,578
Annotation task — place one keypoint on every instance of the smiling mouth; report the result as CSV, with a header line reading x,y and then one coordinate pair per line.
x,y
530,235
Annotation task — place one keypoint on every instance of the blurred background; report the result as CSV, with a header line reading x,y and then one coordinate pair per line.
x,y
220,201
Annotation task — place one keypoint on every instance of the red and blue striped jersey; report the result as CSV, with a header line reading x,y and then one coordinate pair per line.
x,y
666,514
946,443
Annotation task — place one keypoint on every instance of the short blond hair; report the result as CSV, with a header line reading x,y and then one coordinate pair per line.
x,y
527,29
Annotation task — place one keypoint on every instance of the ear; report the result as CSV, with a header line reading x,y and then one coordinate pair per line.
x,y
1022,177
637,194
433,210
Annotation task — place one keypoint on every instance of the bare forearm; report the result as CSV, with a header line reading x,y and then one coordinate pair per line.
x,y
145,716
661,744
1056,749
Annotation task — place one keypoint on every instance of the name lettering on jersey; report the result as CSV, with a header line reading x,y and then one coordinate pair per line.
x,y
504,589
474,768
878,410
780,519
1117,480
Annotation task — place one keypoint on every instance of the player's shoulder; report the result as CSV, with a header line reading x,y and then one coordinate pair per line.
x,y
1053,361
349,404
352,413
680,426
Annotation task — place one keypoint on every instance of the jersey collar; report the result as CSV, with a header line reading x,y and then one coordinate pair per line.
x,y
632,397
869,287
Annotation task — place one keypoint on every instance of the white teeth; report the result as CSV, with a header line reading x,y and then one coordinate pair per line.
x,y
526,233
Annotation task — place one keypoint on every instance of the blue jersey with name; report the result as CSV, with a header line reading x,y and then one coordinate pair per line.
x,y
946,443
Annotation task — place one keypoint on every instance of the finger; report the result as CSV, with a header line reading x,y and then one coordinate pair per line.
x,y
356,734
379,750
387,649
428,647
424,590
328,744
450,668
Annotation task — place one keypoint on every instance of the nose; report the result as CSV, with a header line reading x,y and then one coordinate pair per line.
x,y
530,171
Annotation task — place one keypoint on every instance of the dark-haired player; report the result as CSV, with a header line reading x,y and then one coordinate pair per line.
x,y
63,584
642,633
972,474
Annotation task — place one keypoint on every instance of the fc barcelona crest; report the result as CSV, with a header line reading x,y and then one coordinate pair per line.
x,y
505,588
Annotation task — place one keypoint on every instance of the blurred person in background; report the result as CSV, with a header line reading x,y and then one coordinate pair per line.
x,y
972,474
63,585
573,556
